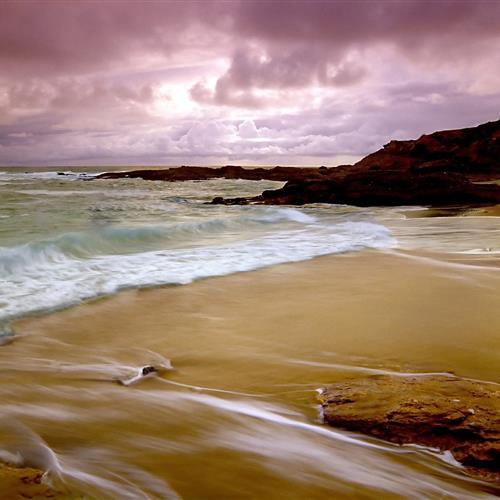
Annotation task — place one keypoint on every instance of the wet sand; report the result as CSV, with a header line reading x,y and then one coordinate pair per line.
x,y
460,211
269,337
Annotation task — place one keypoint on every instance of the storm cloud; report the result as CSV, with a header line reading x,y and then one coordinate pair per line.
x,y
294,82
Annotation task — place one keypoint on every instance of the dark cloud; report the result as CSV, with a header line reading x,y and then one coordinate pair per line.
x,y
35,94
62,37
345,22
65,37
282,45
293,69
85,80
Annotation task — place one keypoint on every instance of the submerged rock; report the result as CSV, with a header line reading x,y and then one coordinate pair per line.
x,y
147,370
25,482
444,412
17,482
6,334
144,372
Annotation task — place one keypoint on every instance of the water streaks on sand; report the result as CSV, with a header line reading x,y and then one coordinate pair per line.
x,y
238,410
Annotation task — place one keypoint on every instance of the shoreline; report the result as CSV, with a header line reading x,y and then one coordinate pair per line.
x,y
461,211
273,335
412,213
442,169
307,279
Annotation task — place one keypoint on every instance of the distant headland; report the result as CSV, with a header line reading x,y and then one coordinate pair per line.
x,y
445,168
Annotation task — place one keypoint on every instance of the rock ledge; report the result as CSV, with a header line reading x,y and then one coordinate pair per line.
x,y
449,413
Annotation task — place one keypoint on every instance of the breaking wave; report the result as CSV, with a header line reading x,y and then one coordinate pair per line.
x,y
62,270
33,175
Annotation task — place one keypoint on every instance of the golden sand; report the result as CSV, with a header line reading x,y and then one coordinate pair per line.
x,y
277,333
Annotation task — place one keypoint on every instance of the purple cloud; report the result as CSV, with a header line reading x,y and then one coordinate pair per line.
x,y
261,81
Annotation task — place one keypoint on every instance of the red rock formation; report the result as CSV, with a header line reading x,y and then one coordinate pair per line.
x,y
442,412
440,169
228,172
386,188
474,152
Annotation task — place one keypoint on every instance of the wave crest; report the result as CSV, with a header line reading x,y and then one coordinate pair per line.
x,y
63,270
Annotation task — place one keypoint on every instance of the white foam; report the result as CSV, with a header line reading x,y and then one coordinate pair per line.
x,y
481,251
366,370
445,264
268,413
53,279
45,175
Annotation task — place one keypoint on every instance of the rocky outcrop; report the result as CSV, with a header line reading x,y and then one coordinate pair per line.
x,y
473,152
184,173
387,188
443,412
25,482
439,169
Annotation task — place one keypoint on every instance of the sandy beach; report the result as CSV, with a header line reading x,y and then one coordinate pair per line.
x,y
269,337
415,310
250,249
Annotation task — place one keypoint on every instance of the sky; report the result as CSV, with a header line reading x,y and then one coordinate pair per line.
x,y
247,82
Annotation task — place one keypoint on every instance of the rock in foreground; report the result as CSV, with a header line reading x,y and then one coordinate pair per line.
x,y
448,413
17,482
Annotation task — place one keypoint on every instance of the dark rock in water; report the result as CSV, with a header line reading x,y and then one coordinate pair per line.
x,y
25,482
148,369
6,334
186,173
218,200
444,412
440,169
142,373
380,188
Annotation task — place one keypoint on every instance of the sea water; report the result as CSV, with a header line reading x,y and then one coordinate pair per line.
x,y
232,412
65,237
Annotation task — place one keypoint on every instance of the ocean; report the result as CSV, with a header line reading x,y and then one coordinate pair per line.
x,y
380,289
65,238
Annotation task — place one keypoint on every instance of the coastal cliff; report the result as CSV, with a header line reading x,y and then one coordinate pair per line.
x,y
445,168
473,152
439,169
